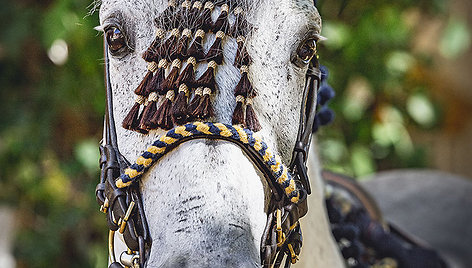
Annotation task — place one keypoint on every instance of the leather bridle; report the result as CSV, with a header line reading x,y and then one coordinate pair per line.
x,y
124,207
115,202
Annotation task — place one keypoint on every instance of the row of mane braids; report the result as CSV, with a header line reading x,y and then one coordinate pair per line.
x,y
178,46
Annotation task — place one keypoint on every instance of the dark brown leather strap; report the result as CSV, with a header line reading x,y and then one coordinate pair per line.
x,y
307,118
123,208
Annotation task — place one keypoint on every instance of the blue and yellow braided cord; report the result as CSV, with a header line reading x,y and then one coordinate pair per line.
x,y
212,130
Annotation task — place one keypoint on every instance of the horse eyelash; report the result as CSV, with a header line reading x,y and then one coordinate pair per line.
x,y
99,28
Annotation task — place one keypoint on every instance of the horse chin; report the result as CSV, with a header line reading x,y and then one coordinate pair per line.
x,y
205,205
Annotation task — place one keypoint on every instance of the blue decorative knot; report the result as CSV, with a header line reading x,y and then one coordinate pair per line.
x,y
324,115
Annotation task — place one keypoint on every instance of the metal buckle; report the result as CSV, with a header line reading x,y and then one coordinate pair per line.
x,y
129,259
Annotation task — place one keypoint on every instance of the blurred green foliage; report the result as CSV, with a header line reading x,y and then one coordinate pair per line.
x,y
51,77
381,94
50,128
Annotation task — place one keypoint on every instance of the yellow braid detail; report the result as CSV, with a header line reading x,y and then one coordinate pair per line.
x,y
258,143
203,128
294,199
283,177
120,184
156,150
242,134
152,149
132,173
224,130
276,167
167,140
181,131
144,161
267,155
291,187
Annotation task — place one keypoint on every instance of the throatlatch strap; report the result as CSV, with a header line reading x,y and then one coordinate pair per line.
x,y
245,138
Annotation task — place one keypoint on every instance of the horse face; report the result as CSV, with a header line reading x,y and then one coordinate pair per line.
x,y
279,29
207,195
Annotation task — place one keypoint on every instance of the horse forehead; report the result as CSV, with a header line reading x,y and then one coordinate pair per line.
x,y
289,19
301,4
299,8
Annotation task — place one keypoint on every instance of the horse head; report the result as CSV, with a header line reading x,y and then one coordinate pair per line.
x,y
237,62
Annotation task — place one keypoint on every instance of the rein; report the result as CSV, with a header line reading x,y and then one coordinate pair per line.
x,y
120,198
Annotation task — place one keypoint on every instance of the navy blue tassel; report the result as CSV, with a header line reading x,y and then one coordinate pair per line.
x,y
324,115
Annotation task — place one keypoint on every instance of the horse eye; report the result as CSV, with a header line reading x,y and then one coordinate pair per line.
x,y
116,40
307,50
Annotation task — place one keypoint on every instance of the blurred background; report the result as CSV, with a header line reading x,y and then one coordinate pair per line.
x,y
401,71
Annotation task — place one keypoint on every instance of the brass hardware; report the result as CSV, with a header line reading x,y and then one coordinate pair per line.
x,y
129,259
280,233
126,217
111,245
104,207
293,256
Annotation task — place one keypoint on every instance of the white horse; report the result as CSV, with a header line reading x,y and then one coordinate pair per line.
x,y
205,202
